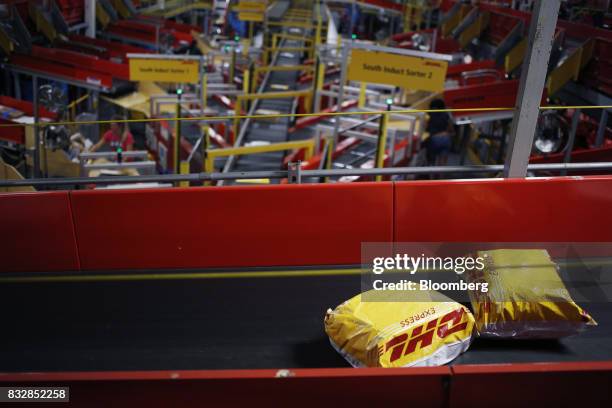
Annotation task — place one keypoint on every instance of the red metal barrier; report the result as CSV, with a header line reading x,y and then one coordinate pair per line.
x,y
423,387
60,69
37,233
500,94
537,210
219,227
595,154
585,384
80,60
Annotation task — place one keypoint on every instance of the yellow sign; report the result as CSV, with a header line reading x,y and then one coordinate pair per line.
x,y
251,10
251,17
252,6
407,72
164,70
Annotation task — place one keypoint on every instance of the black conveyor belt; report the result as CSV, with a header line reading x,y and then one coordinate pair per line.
x,y
243,323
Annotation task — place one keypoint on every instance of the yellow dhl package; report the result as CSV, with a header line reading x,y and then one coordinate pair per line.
x,y
399,333
526,298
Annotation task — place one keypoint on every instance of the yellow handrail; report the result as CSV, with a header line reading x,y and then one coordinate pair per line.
x,y
211,155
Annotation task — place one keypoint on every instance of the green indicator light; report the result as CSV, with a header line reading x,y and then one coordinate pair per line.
x,y
119,150
389,101
237,38
227,48
354,36
179,91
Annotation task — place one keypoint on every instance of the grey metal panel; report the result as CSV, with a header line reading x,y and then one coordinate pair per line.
x,y
277,10
533,77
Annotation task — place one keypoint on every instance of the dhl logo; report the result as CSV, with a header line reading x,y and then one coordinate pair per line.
x,y
423,335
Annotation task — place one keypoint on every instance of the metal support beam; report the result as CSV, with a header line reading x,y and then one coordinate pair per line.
x,y
90,18
305,174
533,77
36,128
346,52
601,130
572,139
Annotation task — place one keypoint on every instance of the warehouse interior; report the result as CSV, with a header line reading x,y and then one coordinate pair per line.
x,y
192,194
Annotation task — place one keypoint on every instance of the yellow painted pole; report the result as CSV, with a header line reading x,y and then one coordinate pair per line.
x,y
382,143
237,112
184,170
177,135
246,81
362,94
320,85
204,92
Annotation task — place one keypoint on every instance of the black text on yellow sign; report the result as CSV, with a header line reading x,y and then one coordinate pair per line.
x,y
406,72
251,10
160,70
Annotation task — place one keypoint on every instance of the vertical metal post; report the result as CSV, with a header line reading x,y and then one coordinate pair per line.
x,y
246,84
232,68
329,157
177,136
601,130
572,139
345,56
363,87
351,23
315,79
157,39
320,83
382,141
203,86
90,18
16,85
533,77
36,128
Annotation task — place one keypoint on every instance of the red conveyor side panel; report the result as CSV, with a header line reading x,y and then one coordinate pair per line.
x,y
14,134
537,210
580,384
218,227
374,387
38,233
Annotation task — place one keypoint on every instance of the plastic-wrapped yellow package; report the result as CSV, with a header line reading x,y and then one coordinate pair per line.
x,y
526,297
391,333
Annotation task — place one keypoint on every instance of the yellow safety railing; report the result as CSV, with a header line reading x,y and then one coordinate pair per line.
x,y
277,68
283,36
178,7
212,154
291,24
72,105
291,115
